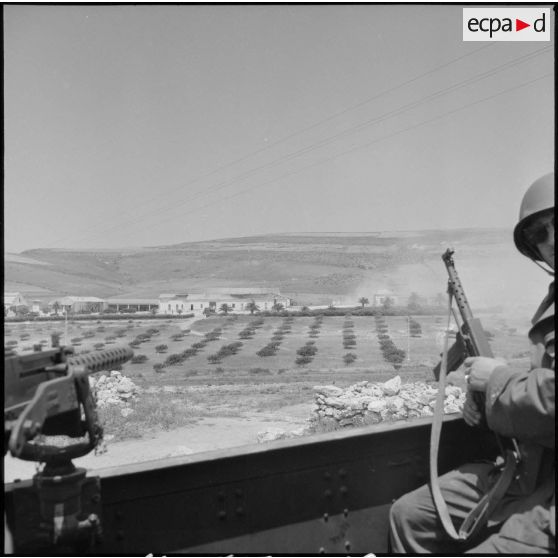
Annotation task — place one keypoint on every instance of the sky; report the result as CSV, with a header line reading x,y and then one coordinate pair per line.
x,y
152,125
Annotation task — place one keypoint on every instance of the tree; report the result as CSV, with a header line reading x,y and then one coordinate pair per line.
x,y
277,307
56,307
388,303
252,307
225,308
22,310
363,301
208,311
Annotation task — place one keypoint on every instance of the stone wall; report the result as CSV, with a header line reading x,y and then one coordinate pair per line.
x,y
114,389
376,402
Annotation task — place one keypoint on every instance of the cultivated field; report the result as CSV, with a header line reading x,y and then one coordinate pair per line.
x,y
241,383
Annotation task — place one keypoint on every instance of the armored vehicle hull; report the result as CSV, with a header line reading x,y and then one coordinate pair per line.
x,y
328,493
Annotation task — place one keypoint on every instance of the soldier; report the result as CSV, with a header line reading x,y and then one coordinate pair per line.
x,y
518,405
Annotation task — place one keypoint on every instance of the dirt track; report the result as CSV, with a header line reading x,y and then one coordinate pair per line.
x,y
208,434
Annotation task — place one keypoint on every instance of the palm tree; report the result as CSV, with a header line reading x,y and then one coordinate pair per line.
x,y
225,308
252,307
363,300
56,307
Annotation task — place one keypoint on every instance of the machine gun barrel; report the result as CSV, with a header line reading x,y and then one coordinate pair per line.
x,y
102,360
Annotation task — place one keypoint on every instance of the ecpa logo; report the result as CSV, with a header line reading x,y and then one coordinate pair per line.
x,y
506,24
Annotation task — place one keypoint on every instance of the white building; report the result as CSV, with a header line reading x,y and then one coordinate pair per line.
x,y
237,300
75,304
131,304
12,301
383,294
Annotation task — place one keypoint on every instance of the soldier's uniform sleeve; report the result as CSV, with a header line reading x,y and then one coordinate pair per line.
x,y
521,405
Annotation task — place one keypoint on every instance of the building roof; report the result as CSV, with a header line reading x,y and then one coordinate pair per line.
x,y
132,300
68,300
256,295
10,297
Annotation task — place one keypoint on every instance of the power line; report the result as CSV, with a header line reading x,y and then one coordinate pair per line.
x,y
356,148
331,139
311,127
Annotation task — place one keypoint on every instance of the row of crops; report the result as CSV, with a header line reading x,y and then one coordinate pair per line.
x,y
288,337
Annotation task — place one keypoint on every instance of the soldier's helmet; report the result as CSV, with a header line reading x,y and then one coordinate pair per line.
x,y
538,200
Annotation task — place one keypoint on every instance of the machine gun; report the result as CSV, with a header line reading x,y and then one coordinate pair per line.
x,y
47,394
471,339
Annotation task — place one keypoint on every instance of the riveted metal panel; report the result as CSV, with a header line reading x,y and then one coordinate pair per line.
x,y
328,493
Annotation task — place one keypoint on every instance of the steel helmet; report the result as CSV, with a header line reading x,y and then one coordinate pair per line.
x,y
538,199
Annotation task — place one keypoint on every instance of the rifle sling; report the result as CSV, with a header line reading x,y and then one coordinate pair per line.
x,y
478,516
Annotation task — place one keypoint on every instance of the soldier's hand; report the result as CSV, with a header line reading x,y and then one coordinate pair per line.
x,y
471,413
478,370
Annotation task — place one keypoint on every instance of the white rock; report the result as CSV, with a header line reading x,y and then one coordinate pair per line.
x,y
355,403
385,414
426,398
452,408
411,404
453,391
270,434
401,414
377,406
392,387
298,431
335,402
395,404
374,418
329,391
125,385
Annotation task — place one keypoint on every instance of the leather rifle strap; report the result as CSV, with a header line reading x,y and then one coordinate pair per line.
x,y
478,516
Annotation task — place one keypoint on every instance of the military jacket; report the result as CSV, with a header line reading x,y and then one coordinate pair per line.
x,y
521,405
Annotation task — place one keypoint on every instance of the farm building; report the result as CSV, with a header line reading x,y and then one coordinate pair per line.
x,y
12,301
77,304
382,295
39,307
238,300
130,304
174,304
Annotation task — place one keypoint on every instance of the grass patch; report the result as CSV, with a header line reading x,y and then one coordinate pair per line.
x,y
152,412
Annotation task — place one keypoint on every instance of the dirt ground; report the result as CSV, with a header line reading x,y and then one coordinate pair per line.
x,y
208,434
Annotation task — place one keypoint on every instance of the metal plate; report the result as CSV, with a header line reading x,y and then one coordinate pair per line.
x,y
294,496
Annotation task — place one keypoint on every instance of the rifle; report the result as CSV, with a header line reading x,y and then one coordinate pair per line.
x,y
471,339
47,394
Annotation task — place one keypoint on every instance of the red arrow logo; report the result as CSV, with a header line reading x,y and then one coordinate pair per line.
x,y
519,25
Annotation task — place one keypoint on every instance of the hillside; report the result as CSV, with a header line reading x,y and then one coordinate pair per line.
x,y
311,268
